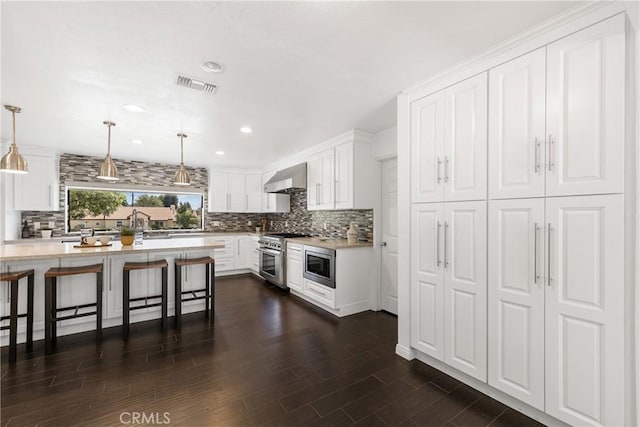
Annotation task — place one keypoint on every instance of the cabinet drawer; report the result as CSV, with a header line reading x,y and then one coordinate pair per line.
x,y
224,264
227,251
294,250
320,293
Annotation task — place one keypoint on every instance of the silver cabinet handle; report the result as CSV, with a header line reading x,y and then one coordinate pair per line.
x,y
50,197
438,179
315,291
383,244
320,194
317,194
438,262
551,142
336,190
535,253
549,253
246,196
110,274
446,171
446,263
536,148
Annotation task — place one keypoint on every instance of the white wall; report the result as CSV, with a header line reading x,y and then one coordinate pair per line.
x,y
385,143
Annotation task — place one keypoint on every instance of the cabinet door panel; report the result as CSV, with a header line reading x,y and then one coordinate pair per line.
x,y
313,181
218,192
427,148
465,140
584,304
254,193
427,279
79,289
344,176
327,183
137,279
193,278
517,127
294,273
37,190
516,299
237,193
585,110
465,322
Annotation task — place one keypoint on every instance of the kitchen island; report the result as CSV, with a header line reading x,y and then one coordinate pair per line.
x,y
80,289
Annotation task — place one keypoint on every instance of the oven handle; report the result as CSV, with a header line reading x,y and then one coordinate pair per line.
x,y
270,252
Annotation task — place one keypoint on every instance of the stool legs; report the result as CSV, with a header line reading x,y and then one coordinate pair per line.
x,y
13,322
30,286
99,279
48,318
165,297
178,295
125,306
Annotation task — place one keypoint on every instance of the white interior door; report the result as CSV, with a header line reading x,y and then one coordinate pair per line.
x,y
465,279
517,127
465,140
585,110
427,149
427,278
584,302
516,299
389,236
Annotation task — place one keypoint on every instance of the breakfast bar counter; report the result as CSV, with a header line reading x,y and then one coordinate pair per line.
x,y
45,250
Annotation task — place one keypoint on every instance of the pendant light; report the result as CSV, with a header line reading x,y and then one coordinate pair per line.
x,y
13,162
182,176
108,170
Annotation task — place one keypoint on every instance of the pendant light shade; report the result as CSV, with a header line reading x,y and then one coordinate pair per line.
x,y
182,176
13,162
108,170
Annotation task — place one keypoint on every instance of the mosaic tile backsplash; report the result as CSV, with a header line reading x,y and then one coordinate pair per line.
x,y
80,168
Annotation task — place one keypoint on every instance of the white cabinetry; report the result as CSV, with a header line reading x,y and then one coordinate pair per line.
x,y
294,266
254,192
516,298
320,181
585,110
224,257
449,143
584,306
517,127
449,284
139,279
37,190
245,252
274,202
578,86
234,192
341,177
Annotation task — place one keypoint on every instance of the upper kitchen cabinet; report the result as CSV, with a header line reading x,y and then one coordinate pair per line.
x,y
580,148
38,190
585,110
449,143
273,202
234,192
341,177
517,127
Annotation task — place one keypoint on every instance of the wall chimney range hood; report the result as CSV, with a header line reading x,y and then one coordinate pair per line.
x,y
288,180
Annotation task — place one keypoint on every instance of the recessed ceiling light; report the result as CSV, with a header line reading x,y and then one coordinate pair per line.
x,y
220,153
133,108
246,129
136,141
212,67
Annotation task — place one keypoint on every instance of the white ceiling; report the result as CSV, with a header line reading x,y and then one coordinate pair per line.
x,y
297,72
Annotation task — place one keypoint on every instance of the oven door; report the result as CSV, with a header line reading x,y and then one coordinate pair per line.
x,y
319,265
271,265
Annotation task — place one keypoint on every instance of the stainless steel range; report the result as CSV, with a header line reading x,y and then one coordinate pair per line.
x,y
273,257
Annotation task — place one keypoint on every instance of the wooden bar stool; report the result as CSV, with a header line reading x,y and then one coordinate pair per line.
x,y
209,289
13,279
126,301
51,303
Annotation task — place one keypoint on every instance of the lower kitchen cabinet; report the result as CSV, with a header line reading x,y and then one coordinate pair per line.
x,y
449,286
193,278
225,256
353,291
294,267
556,305
138,280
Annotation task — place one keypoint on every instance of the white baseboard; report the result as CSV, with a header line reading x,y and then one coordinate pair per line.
x,y
405,352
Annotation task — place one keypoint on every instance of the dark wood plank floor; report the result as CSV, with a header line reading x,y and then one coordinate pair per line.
x,y
270,359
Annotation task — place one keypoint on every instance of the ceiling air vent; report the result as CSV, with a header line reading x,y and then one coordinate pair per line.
x,y
196,84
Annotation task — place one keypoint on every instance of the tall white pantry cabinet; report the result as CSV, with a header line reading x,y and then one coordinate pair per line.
x,y
521,227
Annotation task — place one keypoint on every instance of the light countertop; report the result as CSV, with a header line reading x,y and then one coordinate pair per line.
x,y
76,236
52,249
329,243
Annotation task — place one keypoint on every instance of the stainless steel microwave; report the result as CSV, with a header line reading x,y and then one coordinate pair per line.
x,y
320,265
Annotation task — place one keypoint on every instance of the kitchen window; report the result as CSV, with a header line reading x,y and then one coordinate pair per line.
x,y
109,209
